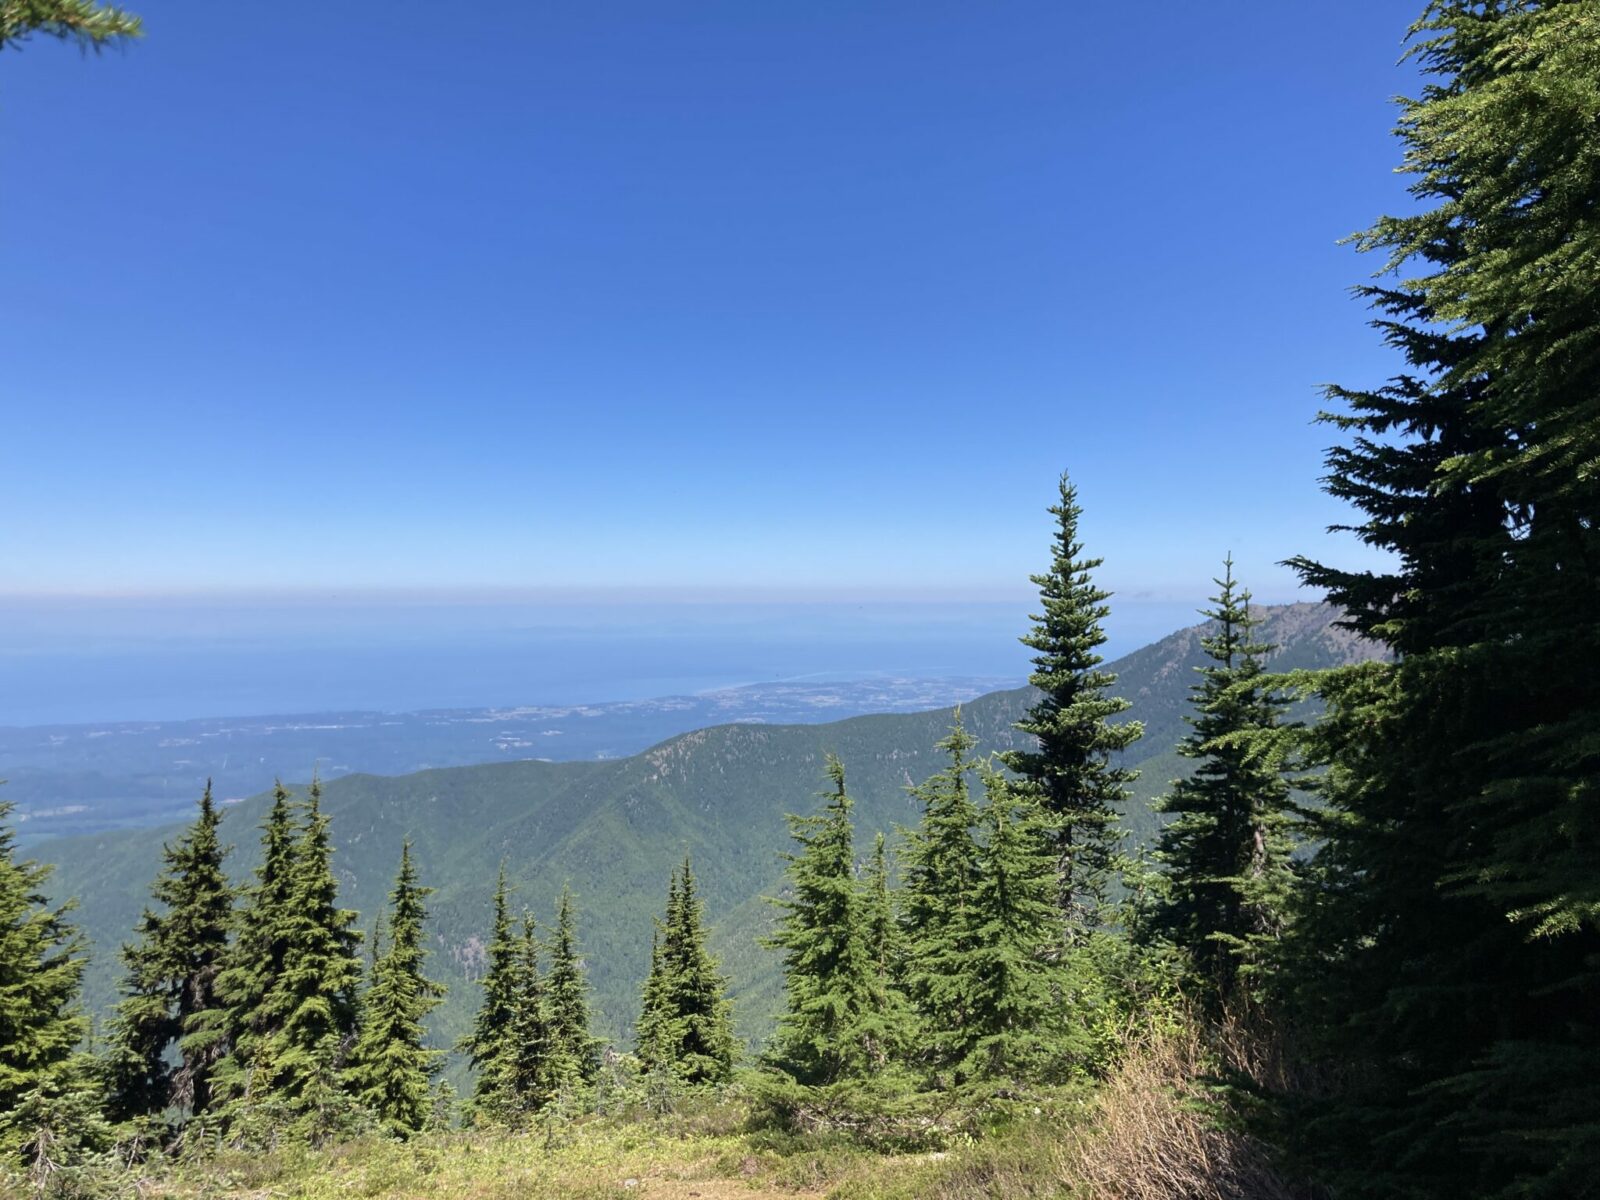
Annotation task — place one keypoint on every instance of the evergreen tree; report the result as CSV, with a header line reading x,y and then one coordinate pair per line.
x,y
170,990
1226,850
91,25
700,993
392,1069
1449,941
892,1019
575,1052
255,962
138,1076
1070,769
885,944
311,1007
655,1037
523,1061
1011,983
940,873
487,1046
442,1108
828,1030
685,1023
532,1067
41,968
323,1107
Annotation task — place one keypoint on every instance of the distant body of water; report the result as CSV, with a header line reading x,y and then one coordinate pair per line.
x,y
104,660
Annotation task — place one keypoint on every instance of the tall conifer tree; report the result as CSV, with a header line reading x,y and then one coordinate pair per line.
x,y
701,990
533,1067
171,999
685,1023
41,969
311,1008
1226,850
575,1052
941,866
1450,941
829,1030
487,1046
655,1037
255,961
392,1066
1071,769
1011,983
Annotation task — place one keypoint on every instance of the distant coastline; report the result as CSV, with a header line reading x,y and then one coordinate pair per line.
x,y
155,663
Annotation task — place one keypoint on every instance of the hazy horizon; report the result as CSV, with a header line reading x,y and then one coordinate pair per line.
x,y
151,659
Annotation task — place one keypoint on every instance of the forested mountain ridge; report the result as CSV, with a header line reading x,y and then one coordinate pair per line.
x,y
1157,678
80,779
615,829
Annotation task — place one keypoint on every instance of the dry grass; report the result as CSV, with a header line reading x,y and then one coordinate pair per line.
x,y
1153,1136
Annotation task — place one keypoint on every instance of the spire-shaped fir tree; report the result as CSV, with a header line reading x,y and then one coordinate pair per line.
x,y
392,1066
486,1046
41,969
685,1023
169,1032
529,1067
311,1008
892,1016
575,1052
1226,851
830,1030
1071,769
1011,983
655,1037
941,863
699,990
254,963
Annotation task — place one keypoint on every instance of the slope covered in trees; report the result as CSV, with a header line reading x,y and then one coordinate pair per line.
x,y
616,830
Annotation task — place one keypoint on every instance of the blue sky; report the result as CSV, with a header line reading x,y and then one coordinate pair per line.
x,y
781,298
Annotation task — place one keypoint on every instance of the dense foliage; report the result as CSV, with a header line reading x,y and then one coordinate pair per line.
x,y
169,1033
392,1067
837,1023
41,964
940,865
685,1022
310,1009
531,1044
260,947
1225,851
1449,943
576,1049
504,985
